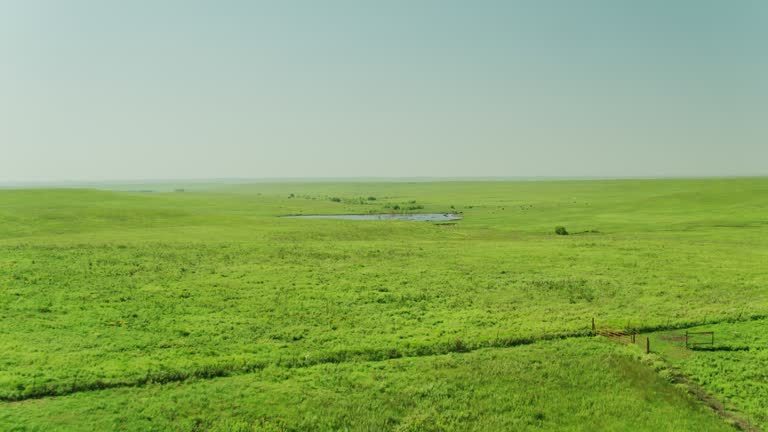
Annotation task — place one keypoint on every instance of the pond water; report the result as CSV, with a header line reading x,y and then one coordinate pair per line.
x,y
419,217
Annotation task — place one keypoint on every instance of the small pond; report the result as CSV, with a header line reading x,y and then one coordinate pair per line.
x,y
419,217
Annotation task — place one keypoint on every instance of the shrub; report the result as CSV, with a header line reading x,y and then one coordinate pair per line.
x,y
336,199
560,230
371,198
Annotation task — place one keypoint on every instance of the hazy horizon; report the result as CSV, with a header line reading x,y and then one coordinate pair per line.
x,y
181,182
98,91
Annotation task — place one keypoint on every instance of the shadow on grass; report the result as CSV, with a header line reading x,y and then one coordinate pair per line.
x,y
719,348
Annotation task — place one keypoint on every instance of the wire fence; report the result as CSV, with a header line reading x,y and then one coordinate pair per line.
x,y
689,339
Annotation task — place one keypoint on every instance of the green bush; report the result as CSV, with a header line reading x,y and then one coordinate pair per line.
x,y
560,230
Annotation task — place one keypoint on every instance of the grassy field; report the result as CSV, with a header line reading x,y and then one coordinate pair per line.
x,y
581,385
208,292
734,369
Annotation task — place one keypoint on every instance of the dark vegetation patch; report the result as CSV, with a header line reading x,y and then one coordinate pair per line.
x,y
405,206
719,348
592,231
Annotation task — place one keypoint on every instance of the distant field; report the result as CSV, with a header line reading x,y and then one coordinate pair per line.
x,y
210,292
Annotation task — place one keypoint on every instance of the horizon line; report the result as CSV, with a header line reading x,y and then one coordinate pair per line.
x,y
288,179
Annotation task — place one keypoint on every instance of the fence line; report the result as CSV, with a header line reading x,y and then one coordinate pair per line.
x,y
631,336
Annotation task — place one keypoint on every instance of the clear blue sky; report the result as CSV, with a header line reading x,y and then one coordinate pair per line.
x,y
153,89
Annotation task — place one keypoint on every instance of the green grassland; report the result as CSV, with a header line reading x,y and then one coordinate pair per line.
x,y
564,385
734,369
128,291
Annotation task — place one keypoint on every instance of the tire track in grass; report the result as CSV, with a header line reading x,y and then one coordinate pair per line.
x,y
676,376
